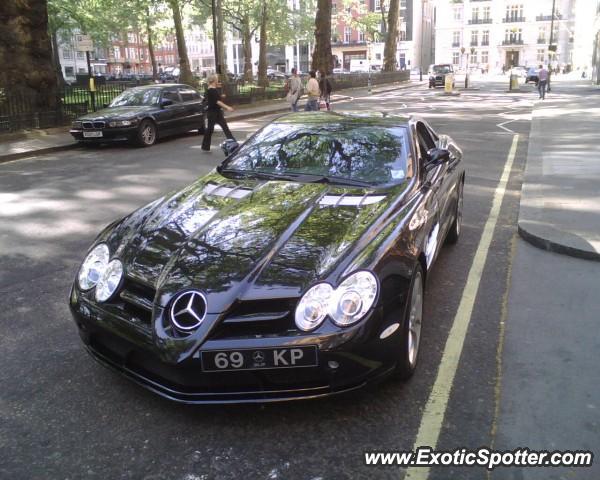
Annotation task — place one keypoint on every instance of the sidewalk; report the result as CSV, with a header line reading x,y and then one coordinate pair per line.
x,y
37,142
560,200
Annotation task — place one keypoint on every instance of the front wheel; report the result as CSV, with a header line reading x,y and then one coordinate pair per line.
x,y
410,337
456,226
146,135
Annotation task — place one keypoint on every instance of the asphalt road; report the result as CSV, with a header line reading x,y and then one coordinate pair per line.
x,y
62,416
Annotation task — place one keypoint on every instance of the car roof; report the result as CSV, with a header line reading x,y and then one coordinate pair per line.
x,y
373,118
162,85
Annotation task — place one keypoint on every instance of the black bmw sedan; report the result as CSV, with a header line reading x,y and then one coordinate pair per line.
x,y
143,114
294,270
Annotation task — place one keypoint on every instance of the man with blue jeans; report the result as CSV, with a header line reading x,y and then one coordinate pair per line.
x,y
313,92
542,81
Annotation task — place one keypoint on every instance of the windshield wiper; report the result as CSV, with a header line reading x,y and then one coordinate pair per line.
x,y
254,174
340,181
297,177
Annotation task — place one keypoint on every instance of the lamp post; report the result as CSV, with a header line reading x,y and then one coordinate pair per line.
x,y
551,48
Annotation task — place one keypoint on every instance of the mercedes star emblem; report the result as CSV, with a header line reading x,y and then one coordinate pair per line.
x,y
188,310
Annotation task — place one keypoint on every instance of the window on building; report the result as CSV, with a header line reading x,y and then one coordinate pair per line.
x,y
542,34
485,37
334,9
475,14
361,36
402,35
514,13
117,52
131,37
474,37
378,56
455,58
455,38
484,56
555,33
81,70
457,13
67,54
80,55
377,5
402,4
486,13
347,34
541,54
474,57
69,72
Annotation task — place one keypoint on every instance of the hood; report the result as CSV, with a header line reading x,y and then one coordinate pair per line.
x,y
116,113
245,240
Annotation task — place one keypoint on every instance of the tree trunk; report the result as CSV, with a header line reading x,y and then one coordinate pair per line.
x,y
26,52
263,81
391,40
247,47
221,39
151,45
322,59
60,79
185,73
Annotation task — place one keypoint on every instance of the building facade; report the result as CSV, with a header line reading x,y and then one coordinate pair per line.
x,y
499,34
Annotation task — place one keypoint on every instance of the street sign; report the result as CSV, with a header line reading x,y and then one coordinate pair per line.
x,y
83,43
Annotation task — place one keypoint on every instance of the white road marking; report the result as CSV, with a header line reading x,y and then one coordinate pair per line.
x,y
501,125
435,409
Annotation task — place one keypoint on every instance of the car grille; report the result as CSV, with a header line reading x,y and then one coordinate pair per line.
x,y
257,317
136,301
90,125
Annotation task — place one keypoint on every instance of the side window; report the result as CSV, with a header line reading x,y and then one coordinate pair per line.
x,y
172,95
425,140
188,95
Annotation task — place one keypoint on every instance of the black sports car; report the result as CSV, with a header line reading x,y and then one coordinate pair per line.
x,y
295,270
142,114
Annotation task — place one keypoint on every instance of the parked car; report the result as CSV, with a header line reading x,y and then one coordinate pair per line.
x,y
276,75
519,71
294,270
532,75
143,114
437,74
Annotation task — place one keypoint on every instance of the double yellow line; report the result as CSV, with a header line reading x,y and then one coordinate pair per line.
x,y
435,410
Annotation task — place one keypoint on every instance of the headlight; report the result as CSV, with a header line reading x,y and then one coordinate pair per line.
x,y
346,305
353,298
76,125
122,123
313,306
93,266
109,280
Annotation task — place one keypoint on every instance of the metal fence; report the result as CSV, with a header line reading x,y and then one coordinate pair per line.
x,y
19,112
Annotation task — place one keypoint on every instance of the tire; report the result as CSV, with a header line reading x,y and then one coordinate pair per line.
x,y
410,336
146,134
454,232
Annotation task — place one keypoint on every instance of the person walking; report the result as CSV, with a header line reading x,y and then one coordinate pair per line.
x,y
214,112
542,81
313,92
325,87
294,88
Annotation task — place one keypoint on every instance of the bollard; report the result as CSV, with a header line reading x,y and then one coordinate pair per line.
x,y
513,82
448,81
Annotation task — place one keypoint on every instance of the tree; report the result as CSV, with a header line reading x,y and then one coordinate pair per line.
x,y
26,52
262,56
391,40
185,72
322,58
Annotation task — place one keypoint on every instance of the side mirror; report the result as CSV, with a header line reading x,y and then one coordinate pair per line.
x,y
438,155
166,103
229,146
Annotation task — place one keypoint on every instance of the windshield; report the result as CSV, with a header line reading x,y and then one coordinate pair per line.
x,y
337,151
137,97
441,69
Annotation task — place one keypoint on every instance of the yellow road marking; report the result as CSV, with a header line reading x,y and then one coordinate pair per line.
x,y
433,415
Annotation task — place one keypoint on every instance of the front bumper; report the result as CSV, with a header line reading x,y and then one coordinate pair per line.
x,y
108,134
347,362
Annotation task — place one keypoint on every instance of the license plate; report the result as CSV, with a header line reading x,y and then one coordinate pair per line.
x,y
92,134
259,358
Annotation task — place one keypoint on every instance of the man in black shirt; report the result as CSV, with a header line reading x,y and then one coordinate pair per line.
x,y
214,112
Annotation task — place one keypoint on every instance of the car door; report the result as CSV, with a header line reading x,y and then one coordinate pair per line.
x,y
192,101
432,177
171,117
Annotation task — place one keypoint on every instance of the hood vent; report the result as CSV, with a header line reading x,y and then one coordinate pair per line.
x,y
350,200
226,191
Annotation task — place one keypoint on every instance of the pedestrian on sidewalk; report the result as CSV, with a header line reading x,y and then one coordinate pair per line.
x,y
214,112
312,89
294,90
325,87
542,81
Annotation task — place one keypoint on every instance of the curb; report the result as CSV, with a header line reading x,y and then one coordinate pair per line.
x,y
34,153
555,247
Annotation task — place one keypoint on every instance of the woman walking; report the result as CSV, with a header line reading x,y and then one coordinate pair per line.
x,y
313,92
214,112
